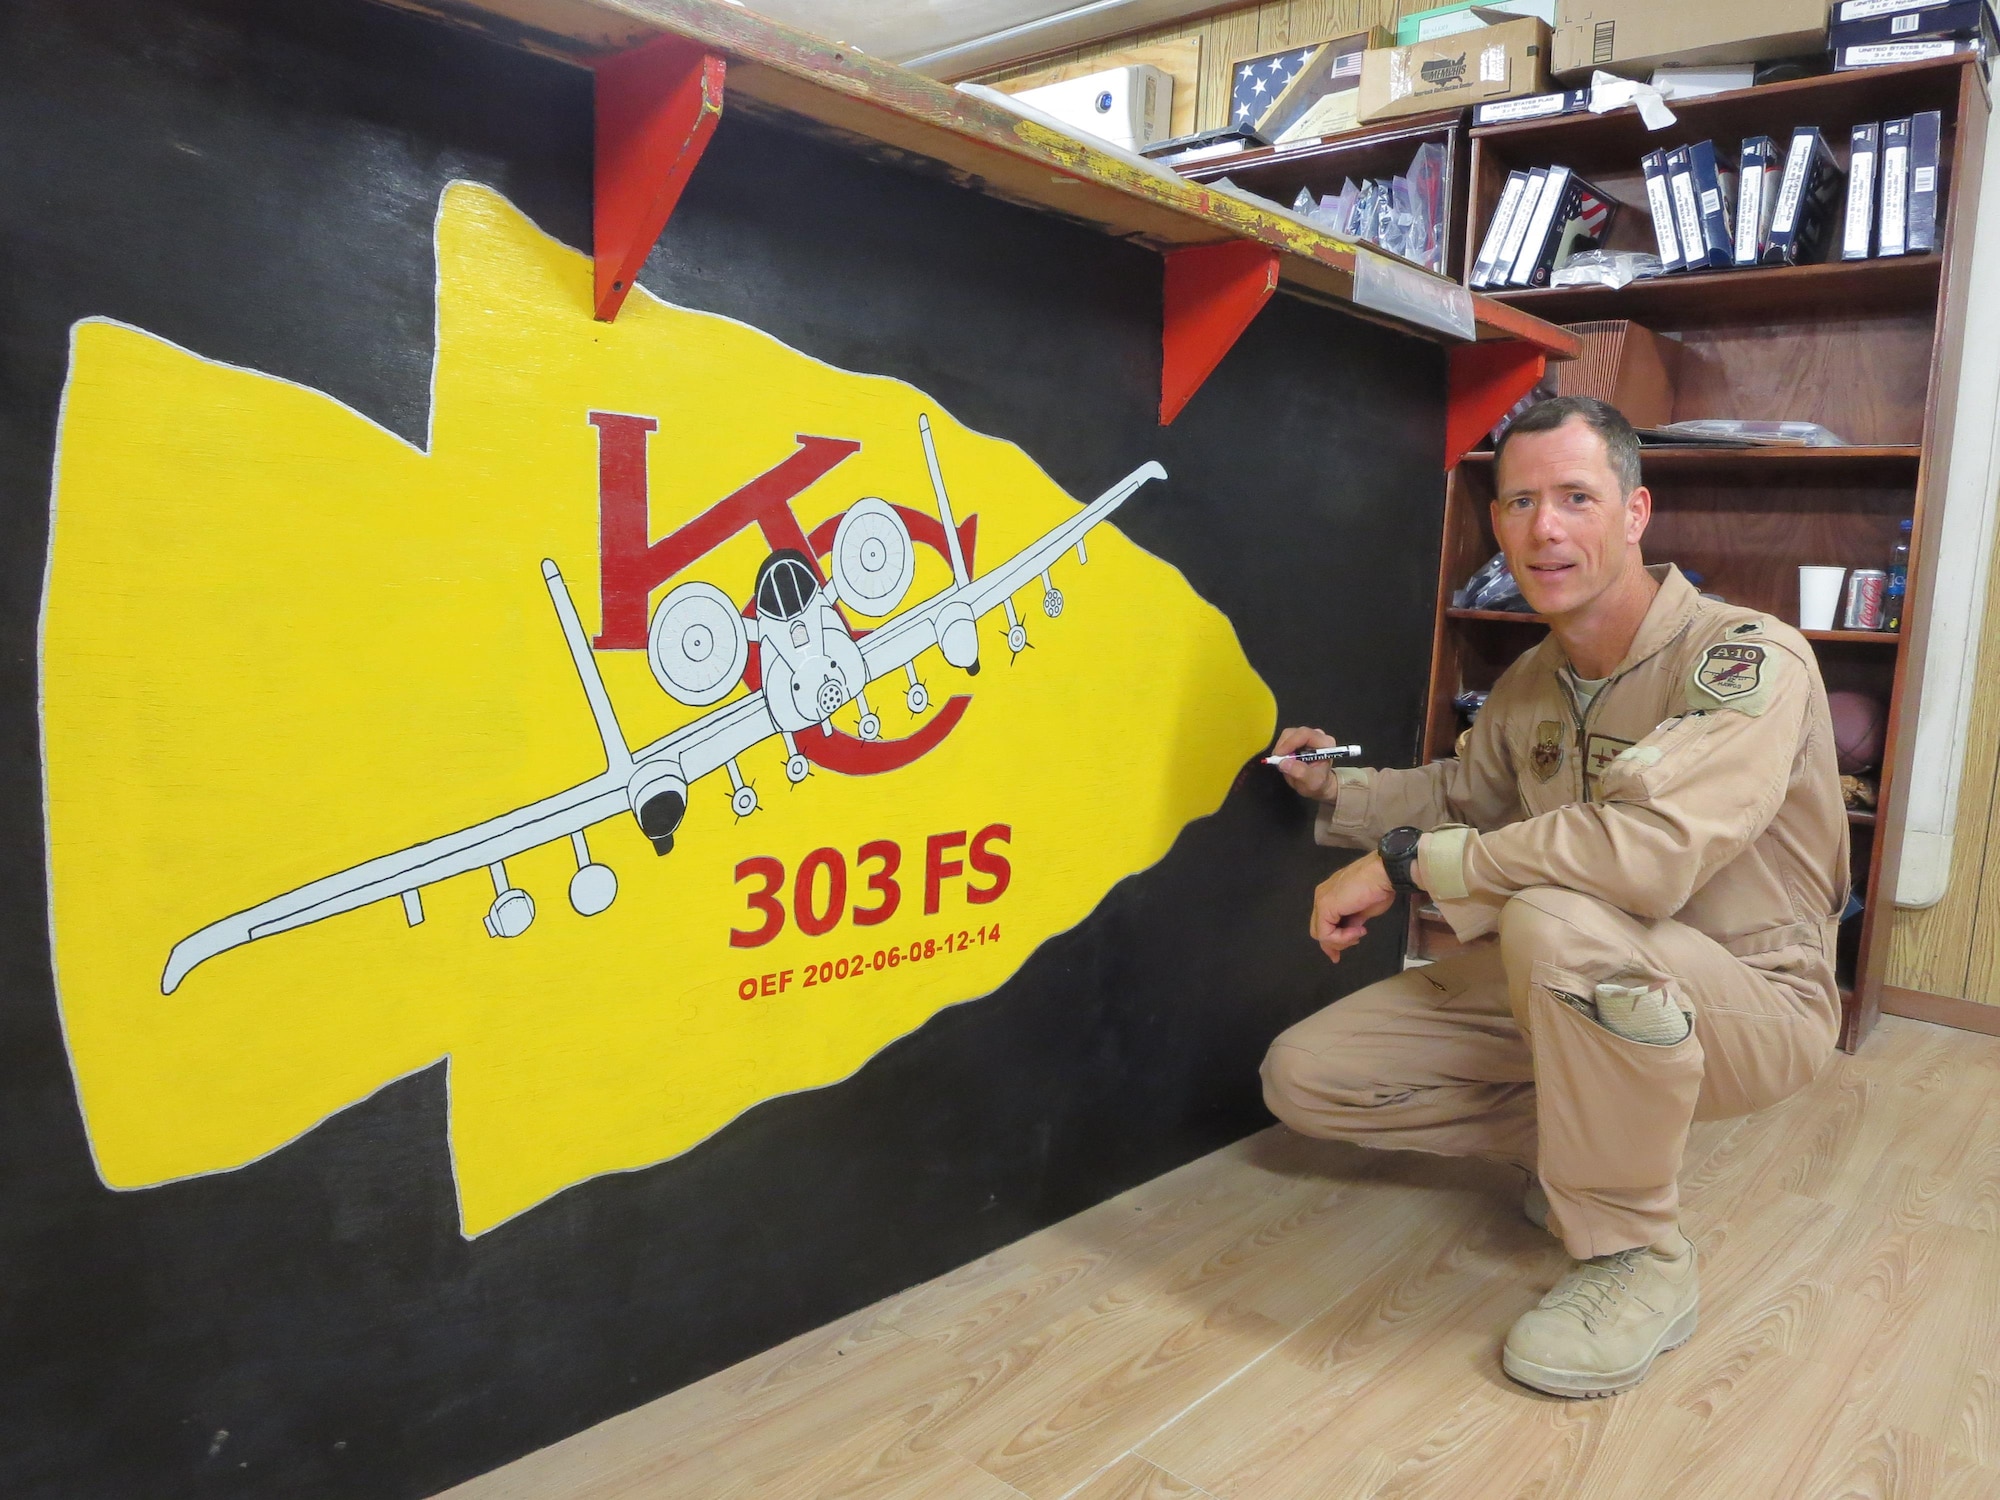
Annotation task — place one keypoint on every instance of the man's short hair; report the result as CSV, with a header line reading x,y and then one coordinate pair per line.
x,y
1621,443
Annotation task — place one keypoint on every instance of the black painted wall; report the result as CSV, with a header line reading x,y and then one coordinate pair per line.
x,y
258,182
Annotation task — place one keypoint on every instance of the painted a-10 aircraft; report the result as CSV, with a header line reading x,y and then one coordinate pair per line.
x,y
811,665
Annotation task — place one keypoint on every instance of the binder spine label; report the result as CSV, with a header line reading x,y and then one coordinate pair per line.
x,y
1881,53
1749,209
1895,198
1863,10
1785,221
1664,233
1510,247
1687,217
1860,195
1496,232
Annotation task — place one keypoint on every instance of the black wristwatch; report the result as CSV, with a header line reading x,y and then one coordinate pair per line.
x,y
1398,848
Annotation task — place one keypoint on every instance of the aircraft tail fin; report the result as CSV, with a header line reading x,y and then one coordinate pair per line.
x,y
617,754
943,502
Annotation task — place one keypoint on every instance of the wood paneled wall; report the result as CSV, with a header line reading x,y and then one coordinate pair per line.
x,y
1953,948
1244,32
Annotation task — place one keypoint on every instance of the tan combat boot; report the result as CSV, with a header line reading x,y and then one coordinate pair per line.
x,y
1598,1332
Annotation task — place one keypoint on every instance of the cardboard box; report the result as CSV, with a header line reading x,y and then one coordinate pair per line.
x,y
1468,15
1451,72
1635,36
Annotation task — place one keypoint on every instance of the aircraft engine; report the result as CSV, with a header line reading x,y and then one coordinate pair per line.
x,y
511,914
958,637
697,645
659,801
873,559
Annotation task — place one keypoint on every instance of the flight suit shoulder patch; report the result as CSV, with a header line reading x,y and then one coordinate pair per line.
x,y
1734,674
1546,753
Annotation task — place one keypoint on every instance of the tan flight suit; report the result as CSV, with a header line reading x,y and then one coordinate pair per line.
x,y
1687,831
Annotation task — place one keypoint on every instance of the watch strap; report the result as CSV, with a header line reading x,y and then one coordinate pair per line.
x,y
1398,848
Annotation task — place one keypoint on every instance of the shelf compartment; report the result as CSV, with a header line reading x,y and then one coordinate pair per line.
x,y
1891,466
1385,150
1831,101
1743,519
1906,283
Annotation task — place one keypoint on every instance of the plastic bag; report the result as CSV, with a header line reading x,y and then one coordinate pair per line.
x,y
1336,210
1385,216
1403,238
1361,222
1426,243
1759,434
1612,268
1492,586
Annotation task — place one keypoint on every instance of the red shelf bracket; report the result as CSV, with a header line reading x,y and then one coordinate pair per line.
x,y
1486,381
1212,293
656,108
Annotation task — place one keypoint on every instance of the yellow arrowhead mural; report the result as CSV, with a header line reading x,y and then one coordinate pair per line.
x,y
281,643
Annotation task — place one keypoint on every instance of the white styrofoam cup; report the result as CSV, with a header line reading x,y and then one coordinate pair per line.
x,y
1819,597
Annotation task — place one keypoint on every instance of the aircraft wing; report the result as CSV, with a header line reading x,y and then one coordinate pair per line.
x,y
411,869
700,747
715,739
905,638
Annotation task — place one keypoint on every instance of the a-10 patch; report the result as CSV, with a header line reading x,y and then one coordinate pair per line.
x,y
1733,674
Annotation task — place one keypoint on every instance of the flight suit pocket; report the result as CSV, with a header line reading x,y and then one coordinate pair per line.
x,y
1613,1112
1644,770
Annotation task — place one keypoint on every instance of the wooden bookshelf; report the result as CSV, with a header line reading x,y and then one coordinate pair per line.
x,y
1869,349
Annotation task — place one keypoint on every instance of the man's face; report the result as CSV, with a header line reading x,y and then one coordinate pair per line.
x,y
1568,534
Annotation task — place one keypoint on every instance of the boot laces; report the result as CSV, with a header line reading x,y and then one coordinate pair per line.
x,y
1595,1288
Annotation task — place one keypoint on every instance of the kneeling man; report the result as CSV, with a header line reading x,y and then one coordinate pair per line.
x,y
1647,812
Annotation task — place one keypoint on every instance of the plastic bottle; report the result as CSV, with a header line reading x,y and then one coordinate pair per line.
x,y
1899,579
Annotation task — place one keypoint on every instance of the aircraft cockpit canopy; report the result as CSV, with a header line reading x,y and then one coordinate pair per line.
x,y
785,586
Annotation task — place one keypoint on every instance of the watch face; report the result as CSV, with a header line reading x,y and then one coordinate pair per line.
x,y
1400,843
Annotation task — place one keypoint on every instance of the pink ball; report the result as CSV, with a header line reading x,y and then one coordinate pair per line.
x,y
1859,725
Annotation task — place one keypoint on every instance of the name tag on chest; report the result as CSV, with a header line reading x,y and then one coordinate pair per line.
x,y
1599,751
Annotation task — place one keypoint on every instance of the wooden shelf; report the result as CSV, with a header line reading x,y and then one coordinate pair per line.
x,y
1873,464
1826,637
1855,637
1859,818
1770,293
899,116
1836,100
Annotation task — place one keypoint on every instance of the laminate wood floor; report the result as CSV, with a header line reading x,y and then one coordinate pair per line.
x,y
1288,1318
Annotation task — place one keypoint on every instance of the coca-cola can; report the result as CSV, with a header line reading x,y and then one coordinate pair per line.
x,y
1865,589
